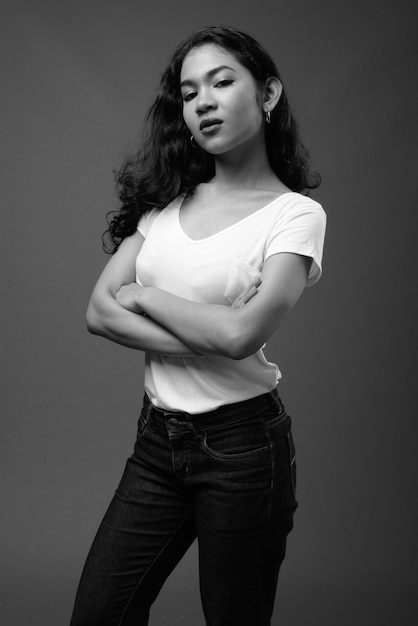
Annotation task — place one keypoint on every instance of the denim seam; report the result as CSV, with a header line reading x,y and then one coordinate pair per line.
x,y
292,462
272,470
151,565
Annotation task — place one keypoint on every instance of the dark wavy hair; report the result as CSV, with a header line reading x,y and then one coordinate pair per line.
x,y
166,164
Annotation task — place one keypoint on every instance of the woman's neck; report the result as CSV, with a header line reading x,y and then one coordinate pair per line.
x,y
247,168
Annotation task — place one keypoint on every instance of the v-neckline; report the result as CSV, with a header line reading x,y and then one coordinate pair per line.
x,y
181,199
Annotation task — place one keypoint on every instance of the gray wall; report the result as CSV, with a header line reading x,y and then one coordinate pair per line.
x,y
78,77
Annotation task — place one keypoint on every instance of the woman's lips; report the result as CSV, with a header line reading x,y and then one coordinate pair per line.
x,y
210,125
210,130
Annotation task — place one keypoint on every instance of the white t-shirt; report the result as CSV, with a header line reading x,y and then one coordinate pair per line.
x,y
215,270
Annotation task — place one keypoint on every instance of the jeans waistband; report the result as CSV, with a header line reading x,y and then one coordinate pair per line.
x,y
227,413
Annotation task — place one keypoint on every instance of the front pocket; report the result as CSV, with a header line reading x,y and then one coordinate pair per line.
x,y
240,277
233,456
246,438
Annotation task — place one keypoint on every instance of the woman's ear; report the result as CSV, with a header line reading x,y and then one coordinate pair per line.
x,y
272,92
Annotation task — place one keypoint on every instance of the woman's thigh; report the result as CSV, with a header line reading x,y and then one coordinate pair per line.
x,y
244,516
146,530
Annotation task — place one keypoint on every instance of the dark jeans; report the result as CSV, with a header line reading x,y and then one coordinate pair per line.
x,y
226,477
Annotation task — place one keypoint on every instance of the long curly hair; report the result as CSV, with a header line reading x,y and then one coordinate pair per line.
x,y
167,165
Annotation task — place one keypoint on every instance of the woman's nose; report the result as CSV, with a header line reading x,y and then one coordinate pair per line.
x,y
205,101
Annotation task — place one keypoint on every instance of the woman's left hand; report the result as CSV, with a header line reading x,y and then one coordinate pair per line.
x,y
246,295
128,297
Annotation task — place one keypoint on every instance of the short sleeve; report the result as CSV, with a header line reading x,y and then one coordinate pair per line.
x,y
146,220
300,229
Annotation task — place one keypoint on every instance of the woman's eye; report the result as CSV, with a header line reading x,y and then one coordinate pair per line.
x,y
189,96
223,83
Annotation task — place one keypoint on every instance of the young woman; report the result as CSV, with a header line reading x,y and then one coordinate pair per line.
x,y
215,243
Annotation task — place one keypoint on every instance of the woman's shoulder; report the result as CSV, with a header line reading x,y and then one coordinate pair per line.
x,y
292,204
297,199
294,213
148,219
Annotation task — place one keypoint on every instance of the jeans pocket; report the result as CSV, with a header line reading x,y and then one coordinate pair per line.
x,y
240,440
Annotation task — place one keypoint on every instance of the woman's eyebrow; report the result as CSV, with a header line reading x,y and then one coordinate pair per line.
x,y
209,74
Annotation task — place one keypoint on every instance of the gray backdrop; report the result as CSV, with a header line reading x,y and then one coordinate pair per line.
x,y
78,77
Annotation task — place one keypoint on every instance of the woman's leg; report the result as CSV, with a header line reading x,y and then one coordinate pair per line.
x,y
146,530
244,514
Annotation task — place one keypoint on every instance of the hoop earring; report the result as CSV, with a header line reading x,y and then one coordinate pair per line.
x,y
268,117
193,142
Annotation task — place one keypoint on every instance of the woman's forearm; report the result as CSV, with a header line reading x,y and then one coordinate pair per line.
x,y
228,331
207,328
110,320
237,331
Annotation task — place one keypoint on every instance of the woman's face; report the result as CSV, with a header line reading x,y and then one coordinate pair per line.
x,y
222,103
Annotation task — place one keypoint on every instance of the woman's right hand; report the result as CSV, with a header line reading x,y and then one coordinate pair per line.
x,y
246,295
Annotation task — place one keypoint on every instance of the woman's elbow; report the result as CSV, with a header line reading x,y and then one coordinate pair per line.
x,y
93,320
244,339
238,345
243,350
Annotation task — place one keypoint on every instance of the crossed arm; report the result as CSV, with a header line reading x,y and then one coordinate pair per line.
x,y
108,318
173,325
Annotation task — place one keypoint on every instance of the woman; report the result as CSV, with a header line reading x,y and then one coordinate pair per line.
x,y
214,245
